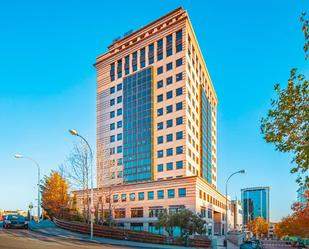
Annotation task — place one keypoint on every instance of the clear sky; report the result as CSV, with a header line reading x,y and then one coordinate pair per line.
x,y
47,81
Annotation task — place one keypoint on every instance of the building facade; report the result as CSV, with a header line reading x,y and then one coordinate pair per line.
x,y
255,203
156,127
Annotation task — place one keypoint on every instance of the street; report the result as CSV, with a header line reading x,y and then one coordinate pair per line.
x,y
26,239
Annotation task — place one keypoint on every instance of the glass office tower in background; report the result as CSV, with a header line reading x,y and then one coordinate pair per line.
x,y
255,203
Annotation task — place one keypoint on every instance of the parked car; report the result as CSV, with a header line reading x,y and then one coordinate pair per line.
x,y
15,221
251,244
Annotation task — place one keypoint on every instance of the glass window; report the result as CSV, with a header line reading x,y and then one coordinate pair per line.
x,y
169,66
182,192
160,126
160,112
112,102
179,41
112,151
169,80
169,95
160,153
179,150
123,197
179,62
179,165
142,57
119,99
160,84
141,196
178,77
160,140
115,198
119,137
119,68
179,135
150,195
132,197
112,90
112,114
159,70
112,126
169,137
209,213
160,50
171,193
169,109
169,123
134,61
160,167
160,98
112,138
178,120
119,111
178,106
119,124
127,65
178,91
169,152
119,149
119,87
136,213
119,174
160,194
169,166
112,72
169,45
151,54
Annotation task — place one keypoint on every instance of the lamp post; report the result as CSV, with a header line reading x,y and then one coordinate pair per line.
x,y
75,133
19,156
226,209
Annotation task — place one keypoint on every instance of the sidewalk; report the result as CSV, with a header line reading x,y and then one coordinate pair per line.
x,y
230,245
55,231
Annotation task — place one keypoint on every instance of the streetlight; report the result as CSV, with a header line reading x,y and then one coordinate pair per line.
x,y
19,156
226,209
75,133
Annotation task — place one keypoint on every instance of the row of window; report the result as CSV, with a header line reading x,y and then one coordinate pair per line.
x,y
169,67
112,126
170,166
170,151
113,137
113,88
113,102
130,61
113,114
169,123
210,199
170,137
169,80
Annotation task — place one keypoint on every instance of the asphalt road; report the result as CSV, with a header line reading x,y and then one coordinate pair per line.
x,y
26,239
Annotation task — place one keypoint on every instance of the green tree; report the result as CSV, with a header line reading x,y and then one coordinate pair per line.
x,y
287,122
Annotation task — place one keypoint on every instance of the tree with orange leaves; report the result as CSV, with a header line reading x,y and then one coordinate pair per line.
x,y
55,194
259,226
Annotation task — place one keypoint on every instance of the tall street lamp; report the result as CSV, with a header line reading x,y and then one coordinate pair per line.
x,y
19,156
75,133
226,209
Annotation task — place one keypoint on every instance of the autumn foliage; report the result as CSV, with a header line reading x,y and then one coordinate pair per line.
x,y
259,226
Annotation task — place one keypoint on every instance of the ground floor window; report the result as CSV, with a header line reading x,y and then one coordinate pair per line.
x,y
152,229
136,226
137,212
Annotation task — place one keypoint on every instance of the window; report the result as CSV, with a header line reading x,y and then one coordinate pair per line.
x,y
179,150
179,41
119,161
112,73
169,137
179,62
150,195
178,77
169,152
120,213
160,50
169,166
182,192
119,124
160,112
137,213
160,126
112,102
119,149
209,213
179,135
179,165
169,109
132,197
141,196
160,98
160,84
112,126
160,194
169,80
203,212
169,45
119,174
119,99
119,137
169,95
160,140
160,167
169,66
159,70
142,57
112,114
169,123
155,212
171,193
112,138
134,61
151,54
179,121
115,198
178,106
127,65
112,90
160,153
119,68
119,111
123,197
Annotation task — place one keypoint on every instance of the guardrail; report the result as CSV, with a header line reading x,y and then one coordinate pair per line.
x,y
126,234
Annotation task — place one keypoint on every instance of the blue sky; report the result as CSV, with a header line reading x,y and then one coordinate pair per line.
x,y
47,49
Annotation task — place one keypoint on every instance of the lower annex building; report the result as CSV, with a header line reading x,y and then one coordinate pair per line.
x,y
156,129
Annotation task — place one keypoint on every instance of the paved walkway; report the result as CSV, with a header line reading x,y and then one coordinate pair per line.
x,y
230,245
55,231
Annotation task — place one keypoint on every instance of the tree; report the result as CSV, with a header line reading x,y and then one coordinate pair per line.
x,y
287,122
54,194
259,226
